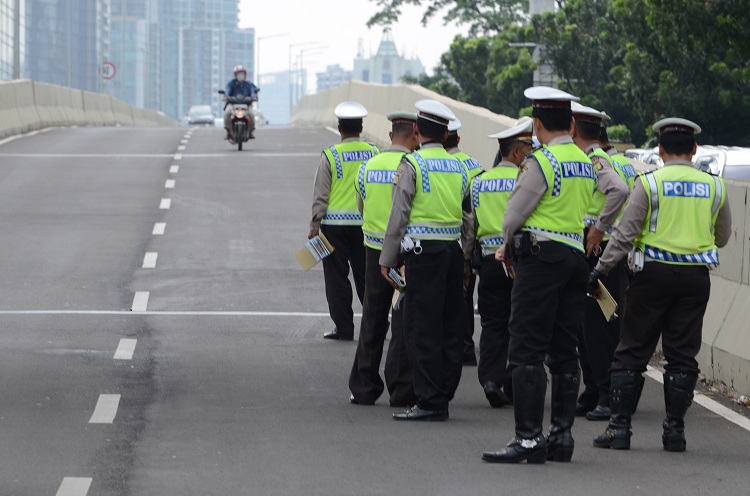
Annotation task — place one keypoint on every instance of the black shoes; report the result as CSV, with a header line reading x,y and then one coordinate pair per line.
x,y
587,401
495,395
623,386
601,412
617,438
518,450
416,413
336,336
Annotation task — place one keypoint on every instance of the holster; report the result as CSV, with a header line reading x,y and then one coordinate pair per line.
x,y
520,245
476,255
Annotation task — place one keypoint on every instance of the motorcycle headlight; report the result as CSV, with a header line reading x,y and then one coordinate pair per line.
x,y
240,113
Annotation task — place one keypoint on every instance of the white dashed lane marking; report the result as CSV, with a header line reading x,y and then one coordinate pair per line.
x,y
174,169
140,301
74,486
106,409
165,203
149,260
169,184
178,156
125,349
181,147
159,228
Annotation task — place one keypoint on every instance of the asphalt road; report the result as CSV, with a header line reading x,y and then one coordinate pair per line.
x,y
230,389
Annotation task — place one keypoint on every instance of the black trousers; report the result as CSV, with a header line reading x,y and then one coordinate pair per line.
x,y
469,348
668,301
494,310
349,250
547,302
599,339
433,313
365,382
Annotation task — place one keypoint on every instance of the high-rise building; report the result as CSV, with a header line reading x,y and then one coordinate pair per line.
x,y
201,43
334,76
12,38
67,41
278,93
387,66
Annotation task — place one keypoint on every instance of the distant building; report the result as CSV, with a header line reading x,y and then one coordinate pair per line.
x,y
275,98
387,66
66,42
334,76
8,17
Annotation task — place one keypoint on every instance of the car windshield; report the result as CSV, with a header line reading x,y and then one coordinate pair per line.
x,y
200,110
737,172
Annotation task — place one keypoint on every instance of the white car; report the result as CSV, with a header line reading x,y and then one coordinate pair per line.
x,y
729,162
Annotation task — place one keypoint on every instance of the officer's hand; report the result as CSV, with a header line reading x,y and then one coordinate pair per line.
x,y
592,285
313,233
384,272
593,241
507,262
500,254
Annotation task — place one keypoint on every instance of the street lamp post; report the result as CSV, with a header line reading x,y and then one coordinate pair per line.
x,y
257,53
289,74
303,82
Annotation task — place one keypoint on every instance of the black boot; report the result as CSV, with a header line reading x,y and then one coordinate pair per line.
x,y
639,391
678,396
621,403
560,442
529,387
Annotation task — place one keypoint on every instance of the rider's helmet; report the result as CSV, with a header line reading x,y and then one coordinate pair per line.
x,y
238,69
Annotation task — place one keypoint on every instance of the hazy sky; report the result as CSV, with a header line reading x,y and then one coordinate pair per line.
x,y
337,26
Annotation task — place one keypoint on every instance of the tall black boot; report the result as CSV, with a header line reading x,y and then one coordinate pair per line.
x,y
678,396
560,442
621,403
529,388
639,390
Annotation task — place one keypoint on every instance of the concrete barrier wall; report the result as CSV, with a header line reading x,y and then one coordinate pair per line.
x,y
29,105
725,355
381,99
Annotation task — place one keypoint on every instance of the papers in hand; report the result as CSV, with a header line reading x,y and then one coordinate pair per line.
x,y
315,250
607,304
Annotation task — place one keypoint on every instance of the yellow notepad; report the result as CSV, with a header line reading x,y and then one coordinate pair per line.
x,y
315,250
607,303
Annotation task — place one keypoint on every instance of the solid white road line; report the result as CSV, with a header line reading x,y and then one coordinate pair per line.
x,y
159,228
106,409
140,301
125,349
174,169
178,156
74,486
169,184
165,203
149,260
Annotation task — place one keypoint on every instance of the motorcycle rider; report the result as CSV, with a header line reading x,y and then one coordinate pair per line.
x,y
240,87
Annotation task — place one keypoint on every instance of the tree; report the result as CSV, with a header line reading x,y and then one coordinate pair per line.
x,y
482,16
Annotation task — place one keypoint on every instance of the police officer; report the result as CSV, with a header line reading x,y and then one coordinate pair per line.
x,y
335,214
543,225
473,168
597,343
374,187
430,188
677,217
490,192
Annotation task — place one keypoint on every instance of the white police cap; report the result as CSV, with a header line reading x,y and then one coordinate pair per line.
x,y
454,125
350,110
585,113
521,131
546,97
402,116
434,111
675,124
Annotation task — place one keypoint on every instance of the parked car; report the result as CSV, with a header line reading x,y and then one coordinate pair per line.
x,y
729,162
201,115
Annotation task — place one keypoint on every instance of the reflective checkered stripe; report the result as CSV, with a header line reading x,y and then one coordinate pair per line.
x,y
490,192
436,208
599,199
490,243
684,204
473,167
374,240
557,184
345,160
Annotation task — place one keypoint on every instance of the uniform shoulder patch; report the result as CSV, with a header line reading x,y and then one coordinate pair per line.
x,y
397,176
597,163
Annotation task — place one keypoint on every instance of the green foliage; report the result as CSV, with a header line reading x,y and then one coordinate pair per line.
x,y
482,16
619,132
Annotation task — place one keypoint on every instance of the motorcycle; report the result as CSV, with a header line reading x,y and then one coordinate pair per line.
x,y
241,122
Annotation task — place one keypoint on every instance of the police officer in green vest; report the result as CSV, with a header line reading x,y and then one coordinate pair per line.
x,y
335,214
543,227
429,197
473,168
490,192
374,186
620,162
597,343
676,218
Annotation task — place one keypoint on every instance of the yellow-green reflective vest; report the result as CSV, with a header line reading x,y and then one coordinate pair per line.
x,y
345,159
624,168
375,186
473,167
490,192
599,199
441,182
571,182
684,204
